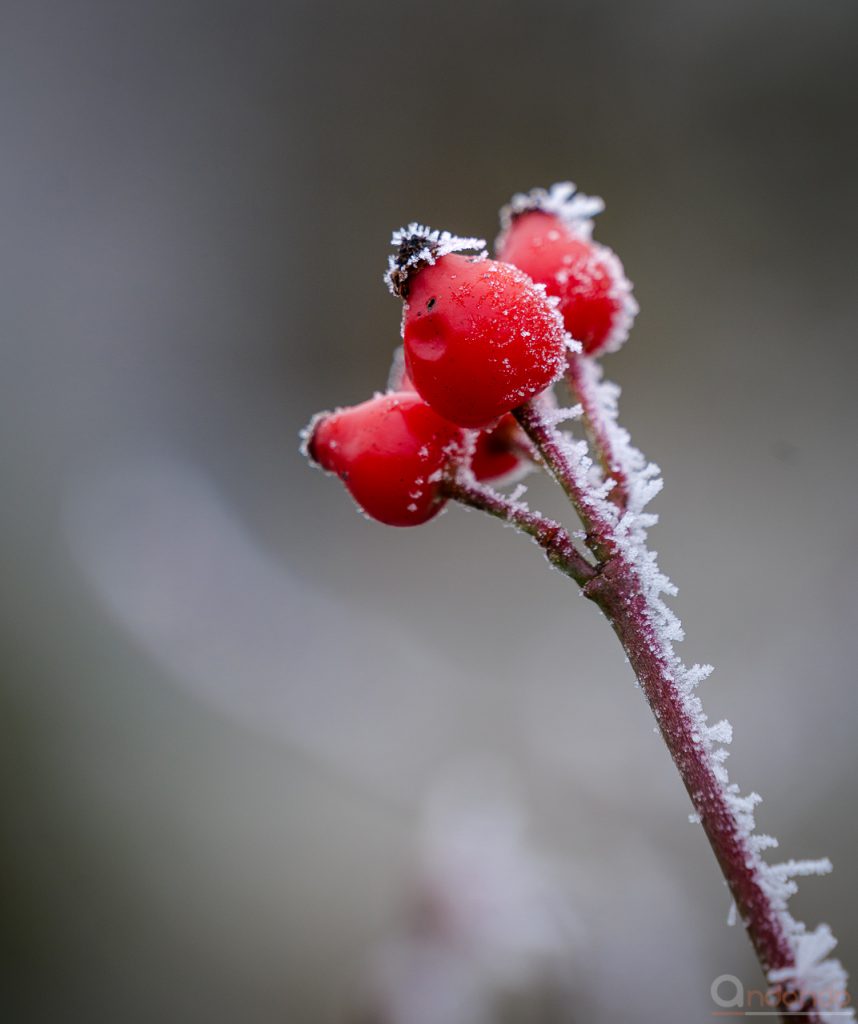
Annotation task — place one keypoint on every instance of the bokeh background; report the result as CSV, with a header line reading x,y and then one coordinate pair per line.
x,y
263,761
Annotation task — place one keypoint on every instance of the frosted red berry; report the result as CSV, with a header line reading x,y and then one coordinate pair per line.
x,y
480,338
548,237
497,451
391,453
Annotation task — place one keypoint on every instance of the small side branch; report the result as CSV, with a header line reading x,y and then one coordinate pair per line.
x,y
584,383
568,467
553,538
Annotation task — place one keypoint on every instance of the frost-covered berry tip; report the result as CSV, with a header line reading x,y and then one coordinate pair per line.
x,y
391,452
419,246
562,200
548,235
480,337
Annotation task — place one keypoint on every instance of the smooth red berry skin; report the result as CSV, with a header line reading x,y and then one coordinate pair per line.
x,y
495,456
496,451
581,273
479,338
390,453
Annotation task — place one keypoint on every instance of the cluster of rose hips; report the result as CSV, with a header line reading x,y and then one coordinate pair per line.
x,y
480,337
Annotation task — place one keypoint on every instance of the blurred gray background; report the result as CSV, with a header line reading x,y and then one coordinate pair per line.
x,y
227,700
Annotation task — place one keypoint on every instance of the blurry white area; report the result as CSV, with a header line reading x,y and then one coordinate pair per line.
x,y
483,883
489,913
175,568
385,709
178,571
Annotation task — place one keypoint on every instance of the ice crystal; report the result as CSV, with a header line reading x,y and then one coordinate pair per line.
x,y
563,200
621,292
813,972
816,974
418,245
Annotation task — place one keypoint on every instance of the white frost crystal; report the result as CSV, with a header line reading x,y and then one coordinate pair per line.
x,y
815,973
419,245
563,200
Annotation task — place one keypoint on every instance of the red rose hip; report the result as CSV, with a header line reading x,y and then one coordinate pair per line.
x,y
480,338
497,451
547,234
391,453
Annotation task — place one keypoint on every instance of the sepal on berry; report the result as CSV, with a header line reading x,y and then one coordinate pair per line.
x,y
572,208
419,246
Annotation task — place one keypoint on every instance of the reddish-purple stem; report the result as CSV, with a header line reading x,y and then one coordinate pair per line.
x,y
614,584
583,384
555,541
617,591
548,442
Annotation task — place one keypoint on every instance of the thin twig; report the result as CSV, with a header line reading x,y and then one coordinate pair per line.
x,y
583,382
554,539
534,418
622,587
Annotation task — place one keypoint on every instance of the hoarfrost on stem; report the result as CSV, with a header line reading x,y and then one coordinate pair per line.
x,y
797,958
